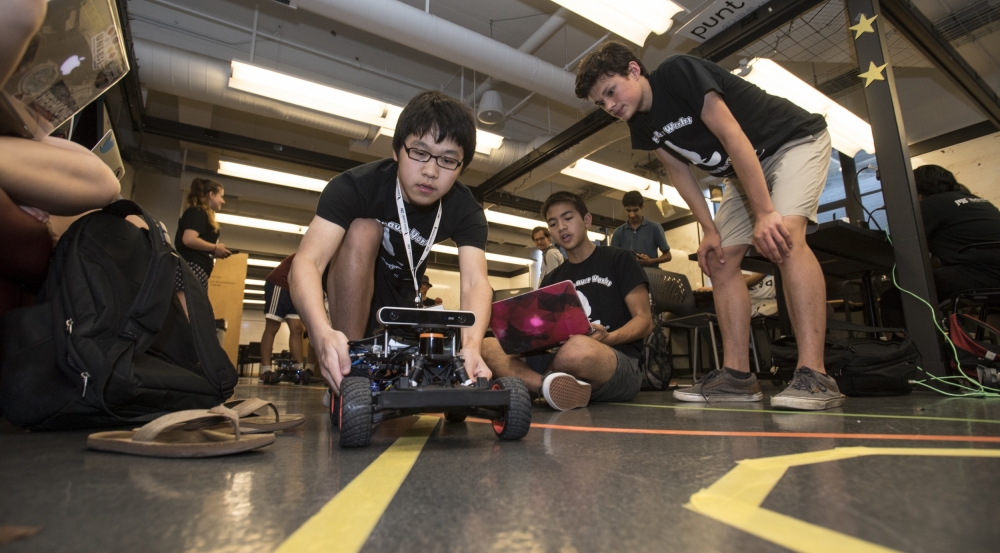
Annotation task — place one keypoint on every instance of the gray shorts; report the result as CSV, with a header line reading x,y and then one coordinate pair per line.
x,y
624,383
795,174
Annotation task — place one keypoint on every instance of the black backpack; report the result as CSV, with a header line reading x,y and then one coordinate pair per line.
x,y
107,342
861,364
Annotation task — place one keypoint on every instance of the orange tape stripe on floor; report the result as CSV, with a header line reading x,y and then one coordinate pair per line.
x,y
839,436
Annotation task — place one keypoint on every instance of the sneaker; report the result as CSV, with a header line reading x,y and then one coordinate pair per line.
x,y
563,392
720,385
810,391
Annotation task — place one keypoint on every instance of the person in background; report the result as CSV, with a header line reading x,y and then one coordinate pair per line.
x,y
425,286
955,220
640,235
551,256
278,308
197,238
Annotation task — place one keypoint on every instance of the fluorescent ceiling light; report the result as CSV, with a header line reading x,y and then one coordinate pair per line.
x,y
293,90
526,223
253,292
848,132
632,20
252,222
590,171
262,263
249,172
452,250
254,302
254,282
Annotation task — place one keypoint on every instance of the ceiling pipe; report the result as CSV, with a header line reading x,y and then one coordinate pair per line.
x,y
188,75
534,42
182,73
428,33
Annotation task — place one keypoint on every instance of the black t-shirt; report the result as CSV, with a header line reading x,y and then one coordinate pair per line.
x,y
602,281
369,192
196,219
674,122
955,219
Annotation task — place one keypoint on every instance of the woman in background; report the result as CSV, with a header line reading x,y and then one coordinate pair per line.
x,y
197,237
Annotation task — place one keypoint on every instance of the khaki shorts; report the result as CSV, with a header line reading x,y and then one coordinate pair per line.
x,y
795,174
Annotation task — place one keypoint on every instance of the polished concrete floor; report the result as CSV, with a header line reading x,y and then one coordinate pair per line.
x,y
645,476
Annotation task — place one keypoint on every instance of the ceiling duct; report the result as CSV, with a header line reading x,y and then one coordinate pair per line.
x,y
393,20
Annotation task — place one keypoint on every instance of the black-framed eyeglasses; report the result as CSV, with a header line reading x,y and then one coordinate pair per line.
x,y
423,156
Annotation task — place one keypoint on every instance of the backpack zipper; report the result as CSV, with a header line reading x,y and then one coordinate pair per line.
x,y
69,326
85,376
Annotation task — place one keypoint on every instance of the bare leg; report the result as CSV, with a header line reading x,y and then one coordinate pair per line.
x,y
732,305
586,359
508,365
350,284
271,328
295,329
805,293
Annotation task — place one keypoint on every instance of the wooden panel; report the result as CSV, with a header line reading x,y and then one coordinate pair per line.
x,y
225,291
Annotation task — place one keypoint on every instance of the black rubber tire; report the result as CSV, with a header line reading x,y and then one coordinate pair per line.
x,y
269,378
455,416
516,419
334,410
356,412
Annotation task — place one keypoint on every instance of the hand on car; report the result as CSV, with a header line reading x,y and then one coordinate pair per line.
x,y
474,364
334,357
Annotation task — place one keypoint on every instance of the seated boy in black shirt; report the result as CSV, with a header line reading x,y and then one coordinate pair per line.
x,y
604,365
383,218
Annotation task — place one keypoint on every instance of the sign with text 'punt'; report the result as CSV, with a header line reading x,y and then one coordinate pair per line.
x,y
716,17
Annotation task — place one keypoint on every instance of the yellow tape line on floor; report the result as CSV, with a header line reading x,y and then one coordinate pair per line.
x,y
345,523
736,498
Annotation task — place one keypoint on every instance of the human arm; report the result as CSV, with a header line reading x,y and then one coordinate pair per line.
x,y
477,297
770,236
683,180
638,327
305,279
55,175
191,239
20,22
661,245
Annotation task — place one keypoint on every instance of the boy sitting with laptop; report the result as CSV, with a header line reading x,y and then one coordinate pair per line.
x,y
602,365
376,224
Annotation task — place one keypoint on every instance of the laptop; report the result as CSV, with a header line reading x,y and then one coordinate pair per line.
x,y
76,56
539,319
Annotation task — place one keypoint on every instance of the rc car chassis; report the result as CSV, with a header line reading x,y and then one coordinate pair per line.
x,y
407,370
287,371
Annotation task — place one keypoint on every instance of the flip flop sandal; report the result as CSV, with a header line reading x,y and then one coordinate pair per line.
x,y
164,437
252,423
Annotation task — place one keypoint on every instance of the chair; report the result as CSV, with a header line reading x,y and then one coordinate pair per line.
x,y
674,309
986,299
247,357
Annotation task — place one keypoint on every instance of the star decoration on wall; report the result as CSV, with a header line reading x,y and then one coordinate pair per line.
x,y
874,73
864,26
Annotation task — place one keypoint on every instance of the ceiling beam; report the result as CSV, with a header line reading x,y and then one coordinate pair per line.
x,y
920,33
561,142
751,28
219,139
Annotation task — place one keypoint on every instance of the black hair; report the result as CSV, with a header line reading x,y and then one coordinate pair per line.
x,y
934,179
544,230
565,197
443,116
632,197
611,59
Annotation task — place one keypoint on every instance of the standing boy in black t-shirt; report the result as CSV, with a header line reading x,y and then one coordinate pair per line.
x,y
604,365
775,156
383,218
